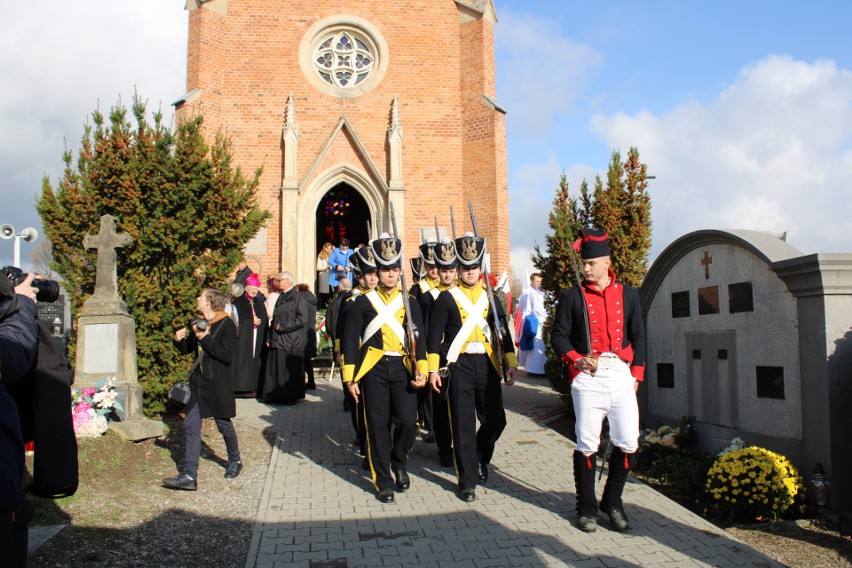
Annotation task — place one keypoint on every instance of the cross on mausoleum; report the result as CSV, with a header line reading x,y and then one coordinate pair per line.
x,y
706,262
106,276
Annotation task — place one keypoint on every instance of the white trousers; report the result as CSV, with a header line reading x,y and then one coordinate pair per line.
x,y
610,393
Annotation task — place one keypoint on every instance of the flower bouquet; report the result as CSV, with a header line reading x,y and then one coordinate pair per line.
x,y
93,407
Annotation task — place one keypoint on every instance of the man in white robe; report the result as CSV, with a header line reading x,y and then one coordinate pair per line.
x,y
534,316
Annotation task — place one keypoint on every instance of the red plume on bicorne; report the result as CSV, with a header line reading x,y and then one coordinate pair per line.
x,y
577,245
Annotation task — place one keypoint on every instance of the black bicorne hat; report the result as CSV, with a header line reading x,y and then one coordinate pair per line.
x,y
445,254
593,243
365,259
470,250
387,251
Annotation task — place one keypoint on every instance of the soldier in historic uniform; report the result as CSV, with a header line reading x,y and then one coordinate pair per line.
x,y
364,269
447,264
604,375
381,371
463,348
427,282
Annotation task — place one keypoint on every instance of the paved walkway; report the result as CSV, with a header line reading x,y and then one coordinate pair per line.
x,y
319,510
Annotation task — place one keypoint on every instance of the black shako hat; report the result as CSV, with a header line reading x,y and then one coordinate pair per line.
x,y
470,250
364,260
416,266
445,254
427,254
593,243
387,251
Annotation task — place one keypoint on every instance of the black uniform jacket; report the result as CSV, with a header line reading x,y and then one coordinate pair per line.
x,y
359,313
445,322
569,335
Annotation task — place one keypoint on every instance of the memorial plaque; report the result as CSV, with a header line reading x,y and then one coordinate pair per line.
x,y
770,382
740,297
665,375
101,350
680,304
708,300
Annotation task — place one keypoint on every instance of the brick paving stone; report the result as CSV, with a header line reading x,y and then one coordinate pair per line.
x,y
319,507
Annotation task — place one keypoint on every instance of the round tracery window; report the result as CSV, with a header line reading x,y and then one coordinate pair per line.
x,y
344,60
344,56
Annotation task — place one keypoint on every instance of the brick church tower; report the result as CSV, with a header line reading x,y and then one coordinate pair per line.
x,y
349,106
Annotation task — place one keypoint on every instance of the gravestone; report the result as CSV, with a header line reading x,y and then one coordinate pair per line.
x,y
106,337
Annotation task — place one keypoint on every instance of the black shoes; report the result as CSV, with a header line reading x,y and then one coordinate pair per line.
x,y
467,495
385,495
428,439
182,482
446,461
403,482
587,524
617,519
483,473
234,469
311,386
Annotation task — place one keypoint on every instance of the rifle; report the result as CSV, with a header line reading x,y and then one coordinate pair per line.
x,y
422,236
453,221
437,232
498,330
409,325
585,308
378,225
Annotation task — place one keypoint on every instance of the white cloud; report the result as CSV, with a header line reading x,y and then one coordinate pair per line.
x,y
772,153
541,72
59,61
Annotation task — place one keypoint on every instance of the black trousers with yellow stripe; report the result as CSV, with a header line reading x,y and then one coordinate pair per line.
x,y
390,403
474,390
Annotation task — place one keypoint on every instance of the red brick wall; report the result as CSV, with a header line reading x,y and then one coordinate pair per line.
x,y
246,65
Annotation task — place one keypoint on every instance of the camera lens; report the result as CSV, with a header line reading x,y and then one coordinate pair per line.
x,y
200,324
48,290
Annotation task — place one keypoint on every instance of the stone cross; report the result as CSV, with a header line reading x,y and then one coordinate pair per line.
x,y
106,277
706,262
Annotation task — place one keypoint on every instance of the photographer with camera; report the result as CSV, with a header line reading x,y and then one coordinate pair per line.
x,y
18,347
211,391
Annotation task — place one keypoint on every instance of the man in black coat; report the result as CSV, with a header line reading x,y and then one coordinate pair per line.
x,y
18,346
285,368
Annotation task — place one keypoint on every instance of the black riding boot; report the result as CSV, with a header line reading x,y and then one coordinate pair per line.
x,y
587,503
620,465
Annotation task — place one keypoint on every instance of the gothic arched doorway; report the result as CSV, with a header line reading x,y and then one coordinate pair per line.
x,y
342,212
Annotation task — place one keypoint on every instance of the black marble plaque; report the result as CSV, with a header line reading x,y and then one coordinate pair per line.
x,y
741,297
708,300
680,304
770,382
665,375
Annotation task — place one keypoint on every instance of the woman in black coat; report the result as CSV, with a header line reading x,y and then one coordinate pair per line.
x,y
212,394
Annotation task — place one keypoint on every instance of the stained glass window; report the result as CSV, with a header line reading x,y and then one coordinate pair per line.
x,y
340,53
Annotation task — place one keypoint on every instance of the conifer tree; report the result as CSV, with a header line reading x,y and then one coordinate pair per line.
x,y
556,266
188,210
623,208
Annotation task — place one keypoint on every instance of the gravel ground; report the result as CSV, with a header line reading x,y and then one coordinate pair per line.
x,y
141,524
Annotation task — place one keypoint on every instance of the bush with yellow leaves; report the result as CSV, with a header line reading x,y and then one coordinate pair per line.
x,y
754,484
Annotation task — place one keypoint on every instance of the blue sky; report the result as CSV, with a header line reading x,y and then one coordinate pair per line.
x,y
743,110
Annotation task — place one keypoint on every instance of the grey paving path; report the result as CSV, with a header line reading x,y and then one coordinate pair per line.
x,y
318,508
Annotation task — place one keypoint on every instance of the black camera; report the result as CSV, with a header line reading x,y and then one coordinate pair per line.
x,y
47,290
199,323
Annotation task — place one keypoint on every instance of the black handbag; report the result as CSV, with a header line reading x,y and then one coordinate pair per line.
x,y
180,392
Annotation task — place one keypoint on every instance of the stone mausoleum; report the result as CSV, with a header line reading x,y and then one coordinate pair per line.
x,y
349,107
754,339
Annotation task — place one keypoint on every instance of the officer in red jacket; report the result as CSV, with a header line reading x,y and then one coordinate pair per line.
x,y
605,375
